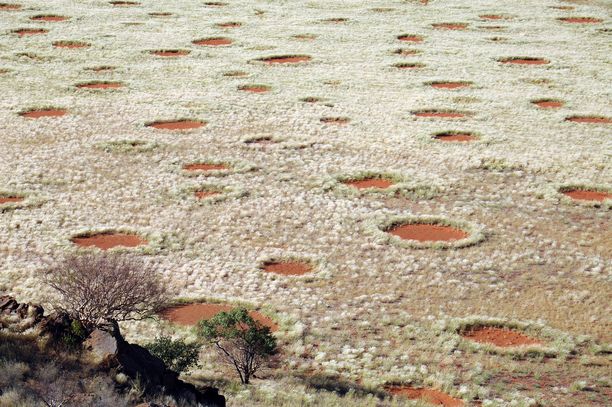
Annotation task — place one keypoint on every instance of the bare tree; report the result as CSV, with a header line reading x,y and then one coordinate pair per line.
x,y
102,288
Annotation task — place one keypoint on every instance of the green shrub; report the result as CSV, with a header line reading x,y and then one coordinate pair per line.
x,y
176,354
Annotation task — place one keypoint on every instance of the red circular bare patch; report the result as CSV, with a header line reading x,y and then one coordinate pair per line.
x,y
9,6
455,137
548,103
450,85
432,396
581,20
424,232
525,61
589,119
285,59
205,167
71,44
205,194
49,18
213,42
287,268
176,124
100,85
26,32
191,314
254,88
7,199
170,53
410,38
379,183
109,240
37,113
450,26
587,195
499,337
439,114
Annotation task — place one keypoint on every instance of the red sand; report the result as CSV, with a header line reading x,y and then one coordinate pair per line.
x,y
230,24
213,42
335,120
35,114
191,314
450,85
205,194
70,44
289,59
432,396
23,32
448,115
49,18
525,61
107,241
287,268
427,233
6,199
589,119
587,195
548,104
455,137
581,20
9,6
449,26
176,125
500,337
254,88
100,85
170,53
204,167
379,183
491,17
410,38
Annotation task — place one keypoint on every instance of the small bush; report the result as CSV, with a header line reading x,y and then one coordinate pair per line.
x,y
176,354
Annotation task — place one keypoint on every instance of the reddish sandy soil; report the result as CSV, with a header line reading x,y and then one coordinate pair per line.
x,y
427,233
100,85
335,120
410,38
455,137
230,24
170,53
213,42
433,113
290,59
35,114
191,314
9,6
450,85
49,18
435,397
205,194
254,89
449,26
525,61
24,32
204,167
176,125
7,199
548,104
287,268
581,20
107,241
585,195
70,44
379,183
492,17
500,337
589,119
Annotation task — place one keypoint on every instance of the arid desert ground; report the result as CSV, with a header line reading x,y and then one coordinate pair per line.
x,y
415,194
